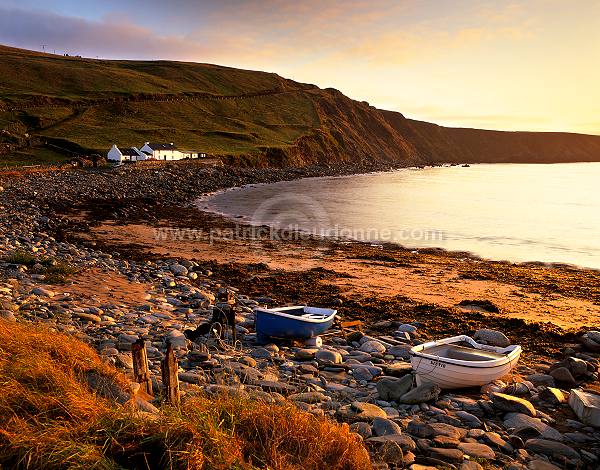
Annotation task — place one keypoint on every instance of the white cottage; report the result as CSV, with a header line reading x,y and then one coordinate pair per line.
x,y
125,154
168,152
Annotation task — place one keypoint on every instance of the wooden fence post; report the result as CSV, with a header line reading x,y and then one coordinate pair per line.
x,y
141,373
170,378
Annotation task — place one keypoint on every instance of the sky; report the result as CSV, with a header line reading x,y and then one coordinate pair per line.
x,y
511,65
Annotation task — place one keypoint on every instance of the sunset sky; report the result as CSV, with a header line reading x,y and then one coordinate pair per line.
x,y
524,65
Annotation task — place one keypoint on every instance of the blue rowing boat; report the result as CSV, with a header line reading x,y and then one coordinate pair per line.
x,y
297,322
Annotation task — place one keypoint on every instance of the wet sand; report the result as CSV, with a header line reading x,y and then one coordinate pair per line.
x,y
383,272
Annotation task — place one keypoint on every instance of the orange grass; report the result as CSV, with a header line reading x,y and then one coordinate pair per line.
x,y
50,418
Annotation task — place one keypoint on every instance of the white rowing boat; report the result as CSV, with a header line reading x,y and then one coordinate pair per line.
x,y
461,362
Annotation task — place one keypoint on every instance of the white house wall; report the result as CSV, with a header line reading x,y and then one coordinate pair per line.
x,y
169,154
115,154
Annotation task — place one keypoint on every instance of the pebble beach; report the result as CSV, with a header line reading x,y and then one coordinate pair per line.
x,y
57,270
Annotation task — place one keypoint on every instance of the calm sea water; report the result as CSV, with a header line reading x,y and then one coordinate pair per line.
x,y
548,213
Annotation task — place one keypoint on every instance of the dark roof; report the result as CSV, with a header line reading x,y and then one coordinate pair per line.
x,y
129,151
161,146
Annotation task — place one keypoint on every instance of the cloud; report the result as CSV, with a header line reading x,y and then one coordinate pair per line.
x,y
111,37
478,63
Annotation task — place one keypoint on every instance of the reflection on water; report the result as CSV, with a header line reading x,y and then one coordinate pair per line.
x,y
516,212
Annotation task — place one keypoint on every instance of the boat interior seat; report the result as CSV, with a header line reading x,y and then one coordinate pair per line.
x,y
312,316
470,354
463,353
295,311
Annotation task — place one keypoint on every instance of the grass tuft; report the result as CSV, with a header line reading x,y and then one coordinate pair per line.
x,y
55,271
51,418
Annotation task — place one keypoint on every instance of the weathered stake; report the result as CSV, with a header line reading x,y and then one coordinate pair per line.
x,y
141,373
170,378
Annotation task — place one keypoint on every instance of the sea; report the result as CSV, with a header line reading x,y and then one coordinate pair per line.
x,y
547,213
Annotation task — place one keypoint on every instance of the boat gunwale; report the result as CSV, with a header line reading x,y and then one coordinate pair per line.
x,y
282,314
512,354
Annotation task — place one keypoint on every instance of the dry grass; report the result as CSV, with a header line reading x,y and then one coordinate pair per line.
x,y
55,271
50,418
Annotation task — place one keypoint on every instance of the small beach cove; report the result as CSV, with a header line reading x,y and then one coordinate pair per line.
x,y
550,214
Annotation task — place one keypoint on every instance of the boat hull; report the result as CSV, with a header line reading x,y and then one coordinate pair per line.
x,y
276,324
452,374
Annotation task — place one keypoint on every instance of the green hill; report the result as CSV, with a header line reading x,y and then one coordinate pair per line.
x,y
50,103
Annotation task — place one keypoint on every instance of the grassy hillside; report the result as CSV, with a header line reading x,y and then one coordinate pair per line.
x,y
246,117
62,407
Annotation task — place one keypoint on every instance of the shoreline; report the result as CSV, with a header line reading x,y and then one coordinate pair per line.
x,y
204,200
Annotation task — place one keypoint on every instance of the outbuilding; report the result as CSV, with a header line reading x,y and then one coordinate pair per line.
x,y
125,154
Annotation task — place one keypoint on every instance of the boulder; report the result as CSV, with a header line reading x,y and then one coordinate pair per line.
x,y
362,428
512,404
444,429
400,350
485,305
397,369
418,428
42,292
445,441
360,411
308,369
594,336
576,366
541,379
124,360
90,317
361,373
492,337
390,452
234,391
553,449
468,418
521,422
327,356
144,405
563,375
177,339
479,451
495,440
178,270
421,394
447,455
306,354
518,388
372,346
191,377
591,341
407,328
552,395
261,353
539,464
392,388
8,316
385,427
406,443
586,406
